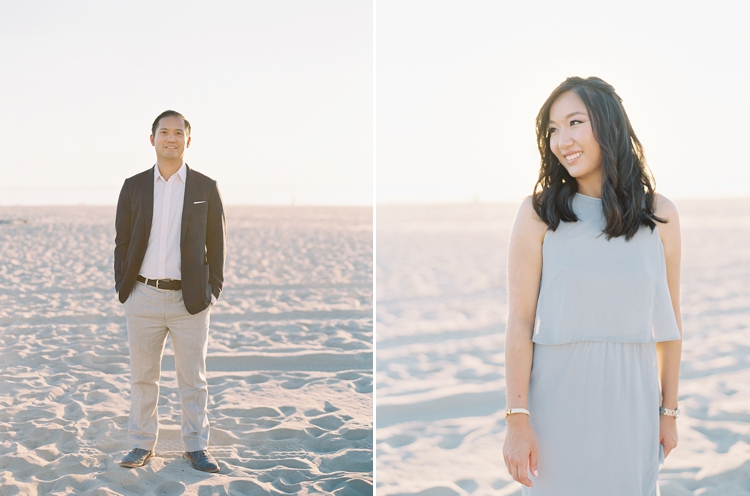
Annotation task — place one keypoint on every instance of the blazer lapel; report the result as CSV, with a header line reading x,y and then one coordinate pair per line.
x,y
191,188
147,192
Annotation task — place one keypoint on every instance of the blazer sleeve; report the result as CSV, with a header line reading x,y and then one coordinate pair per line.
x,y
216,235
122,234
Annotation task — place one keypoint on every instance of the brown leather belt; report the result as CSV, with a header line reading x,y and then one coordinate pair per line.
x,y
168,284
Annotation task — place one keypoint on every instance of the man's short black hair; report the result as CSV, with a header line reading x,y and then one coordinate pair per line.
x,y
170,113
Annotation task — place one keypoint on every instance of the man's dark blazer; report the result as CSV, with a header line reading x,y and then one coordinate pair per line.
x,y
202,237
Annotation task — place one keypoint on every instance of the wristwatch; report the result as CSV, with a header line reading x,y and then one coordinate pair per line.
x,y
666,411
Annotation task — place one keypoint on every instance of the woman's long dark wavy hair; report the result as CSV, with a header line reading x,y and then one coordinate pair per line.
x,y
628,198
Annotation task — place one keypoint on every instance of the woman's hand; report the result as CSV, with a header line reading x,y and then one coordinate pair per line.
x,y
667,433
519,450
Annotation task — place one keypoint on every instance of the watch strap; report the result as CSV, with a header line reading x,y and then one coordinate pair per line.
x,y
667,411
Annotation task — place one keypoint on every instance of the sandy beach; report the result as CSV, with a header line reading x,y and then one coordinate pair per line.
x,y
289,358
441,289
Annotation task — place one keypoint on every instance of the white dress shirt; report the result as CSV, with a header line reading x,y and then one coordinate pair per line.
x,y
163,257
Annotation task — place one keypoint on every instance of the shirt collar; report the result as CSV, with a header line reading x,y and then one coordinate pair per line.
x,y
181,173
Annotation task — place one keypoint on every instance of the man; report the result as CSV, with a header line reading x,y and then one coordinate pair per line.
x,y
169,271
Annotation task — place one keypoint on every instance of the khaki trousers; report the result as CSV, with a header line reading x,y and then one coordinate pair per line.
x,y
152,314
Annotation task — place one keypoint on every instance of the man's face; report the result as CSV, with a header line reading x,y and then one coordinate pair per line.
x,y
171,139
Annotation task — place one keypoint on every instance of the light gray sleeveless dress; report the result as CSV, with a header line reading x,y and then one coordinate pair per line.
x,y
594,389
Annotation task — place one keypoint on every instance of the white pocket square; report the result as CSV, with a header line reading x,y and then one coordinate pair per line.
x,y
196,203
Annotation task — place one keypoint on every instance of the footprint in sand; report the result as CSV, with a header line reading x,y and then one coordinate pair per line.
x,y
261,412
96,397
288,483
297,383
68,442
399,440
724,439
451,441
363,385
315,432
356,434
253,413
47,454
288,410
257,379
36,414
282,434
170,488
355,487
243,487
351,461
348,376
329,422
468,485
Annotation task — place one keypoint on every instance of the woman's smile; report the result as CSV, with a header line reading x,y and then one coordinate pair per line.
x,y
572,157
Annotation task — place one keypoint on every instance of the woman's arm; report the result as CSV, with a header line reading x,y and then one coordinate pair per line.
x,y
669,352
524,275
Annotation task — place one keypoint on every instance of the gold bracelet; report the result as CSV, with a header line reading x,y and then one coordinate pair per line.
x,y
512,411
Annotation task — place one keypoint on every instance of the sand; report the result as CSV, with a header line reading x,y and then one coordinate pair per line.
x,y
441,312
289,358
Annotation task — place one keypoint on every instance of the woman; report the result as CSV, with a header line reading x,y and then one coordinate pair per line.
x,y
593,340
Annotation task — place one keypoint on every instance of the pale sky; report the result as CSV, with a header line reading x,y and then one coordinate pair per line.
x,y
279,94
459,84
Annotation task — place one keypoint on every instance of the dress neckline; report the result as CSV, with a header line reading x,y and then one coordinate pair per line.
x,y
589,197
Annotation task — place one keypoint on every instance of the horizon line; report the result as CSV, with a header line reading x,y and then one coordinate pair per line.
x,y
114,205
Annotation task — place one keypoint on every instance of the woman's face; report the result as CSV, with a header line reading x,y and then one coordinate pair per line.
x,y
571,139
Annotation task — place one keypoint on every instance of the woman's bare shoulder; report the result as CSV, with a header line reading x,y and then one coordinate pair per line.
x,y
666,209
528,223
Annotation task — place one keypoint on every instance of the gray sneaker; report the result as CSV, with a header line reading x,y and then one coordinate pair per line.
x,y
136,458
203,461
